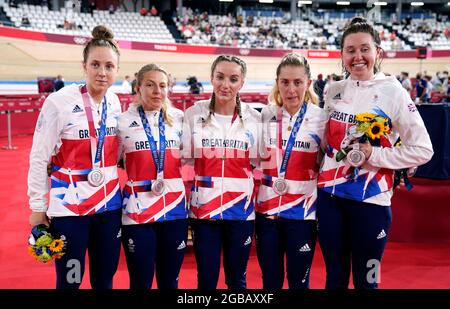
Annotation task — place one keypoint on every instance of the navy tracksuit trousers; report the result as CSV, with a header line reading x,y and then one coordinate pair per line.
x,y
352,236
159,245
99,234
209,237
295,239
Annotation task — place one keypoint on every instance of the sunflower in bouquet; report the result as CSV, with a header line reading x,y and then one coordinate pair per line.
x,y
369,126
45,246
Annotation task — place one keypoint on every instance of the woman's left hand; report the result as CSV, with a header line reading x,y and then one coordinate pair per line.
x,y
366,148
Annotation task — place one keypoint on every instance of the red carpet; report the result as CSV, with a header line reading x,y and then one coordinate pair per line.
x,y
421,218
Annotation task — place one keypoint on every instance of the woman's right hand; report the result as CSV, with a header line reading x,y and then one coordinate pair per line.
x,y
37,218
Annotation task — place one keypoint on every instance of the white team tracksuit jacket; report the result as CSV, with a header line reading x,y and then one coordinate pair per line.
x,y
140,205
383,96
299,203
223,186
62,132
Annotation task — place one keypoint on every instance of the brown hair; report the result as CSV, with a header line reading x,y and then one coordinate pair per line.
x,y
241,63
166,103
102,36
356,25
294,60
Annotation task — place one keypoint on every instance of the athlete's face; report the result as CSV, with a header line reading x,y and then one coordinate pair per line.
x,y
227,79
101,69
293,82
359,55
152,90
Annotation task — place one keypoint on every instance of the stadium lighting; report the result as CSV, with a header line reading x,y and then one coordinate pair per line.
x,y
416,3
302,2
343,2
265,1
380,3
225,0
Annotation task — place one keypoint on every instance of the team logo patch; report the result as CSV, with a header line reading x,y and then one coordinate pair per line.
x,y
77,109
134,124
337,97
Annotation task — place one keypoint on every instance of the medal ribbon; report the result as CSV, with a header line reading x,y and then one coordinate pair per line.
x,y
158,156
96,145
291,140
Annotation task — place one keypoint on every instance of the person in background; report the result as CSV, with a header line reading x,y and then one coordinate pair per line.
x,y
293,127
354,198
154,232
134,83
220,139
78,126
59,82
319,86
126,85
406,82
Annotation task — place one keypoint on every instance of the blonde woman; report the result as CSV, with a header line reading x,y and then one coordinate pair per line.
x,y
154,219
293,127
221,142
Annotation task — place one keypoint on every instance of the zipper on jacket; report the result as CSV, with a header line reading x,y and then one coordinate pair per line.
x,y
221,184
134,194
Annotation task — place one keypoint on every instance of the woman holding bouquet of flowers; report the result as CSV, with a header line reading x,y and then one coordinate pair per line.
x,y
77,125
368,111
293,127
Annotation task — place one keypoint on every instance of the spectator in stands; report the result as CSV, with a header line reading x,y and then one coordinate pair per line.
x,y
319,86
153,11
355,191
126,85
143,12
154,217
85,199
111,9
92,7
59,82
25,22
286,219
220,139
195,87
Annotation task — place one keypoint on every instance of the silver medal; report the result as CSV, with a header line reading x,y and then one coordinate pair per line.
x,y
356,157
280,186
96,177
158,187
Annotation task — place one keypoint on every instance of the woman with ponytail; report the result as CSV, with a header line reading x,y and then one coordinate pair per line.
x,y
154,232
293,127
354,200
77,125
221,141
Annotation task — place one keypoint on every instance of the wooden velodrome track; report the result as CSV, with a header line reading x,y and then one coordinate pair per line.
x,y
26,59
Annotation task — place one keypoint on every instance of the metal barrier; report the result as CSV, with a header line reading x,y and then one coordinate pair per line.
x,y
10,104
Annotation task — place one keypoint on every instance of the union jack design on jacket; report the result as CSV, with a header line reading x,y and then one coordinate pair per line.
x,y
62,131
223,185
140,205
299,203
386,97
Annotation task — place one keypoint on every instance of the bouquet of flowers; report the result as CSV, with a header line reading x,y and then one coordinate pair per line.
x,y
368,126
43,246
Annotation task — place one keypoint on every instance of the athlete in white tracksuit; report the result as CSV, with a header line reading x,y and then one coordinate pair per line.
x,y
293,127
354,203
221,140
77,126
154,229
